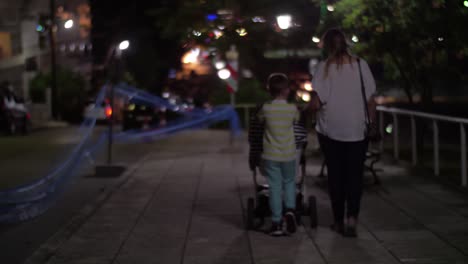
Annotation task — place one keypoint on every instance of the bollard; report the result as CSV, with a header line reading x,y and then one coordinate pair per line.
x,y
381,130
463,154
246,117
436,148
396,141
414,150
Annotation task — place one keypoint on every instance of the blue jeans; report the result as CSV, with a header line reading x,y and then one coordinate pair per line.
x,y
281,177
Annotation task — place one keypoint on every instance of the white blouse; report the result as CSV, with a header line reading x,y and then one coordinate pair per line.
x,y
342,116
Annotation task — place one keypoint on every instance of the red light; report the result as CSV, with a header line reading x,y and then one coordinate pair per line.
x,y
28,116
108,111
211,34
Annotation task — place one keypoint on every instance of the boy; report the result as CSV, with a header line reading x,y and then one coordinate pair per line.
x,y
279,153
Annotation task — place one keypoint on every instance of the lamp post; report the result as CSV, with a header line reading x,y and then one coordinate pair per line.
x,y
113,64
232,55
53,59
114,72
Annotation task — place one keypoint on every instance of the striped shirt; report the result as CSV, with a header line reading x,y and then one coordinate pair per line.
x,y
278,140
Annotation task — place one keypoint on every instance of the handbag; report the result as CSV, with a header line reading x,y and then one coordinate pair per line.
x,y
371,133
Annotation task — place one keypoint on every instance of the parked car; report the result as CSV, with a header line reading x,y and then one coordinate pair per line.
x,y
135,116
101,112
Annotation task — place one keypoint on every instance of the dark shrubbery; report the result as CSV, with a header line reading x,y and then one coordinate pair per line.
x,y
71,93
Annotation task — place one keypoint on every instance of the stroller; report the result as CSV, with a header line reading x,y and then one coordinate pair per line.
x,y
258,207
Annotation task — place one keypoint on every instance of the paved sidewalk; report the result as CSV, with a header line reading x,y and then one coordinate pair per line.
x,y
184,204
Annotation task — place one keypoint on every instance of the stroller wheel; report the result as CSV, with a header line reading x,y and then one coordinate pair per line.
x,y
250,213
312,208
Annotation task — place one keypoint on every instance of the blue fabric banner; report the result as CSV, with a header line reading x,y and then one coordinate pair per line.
x,y
30,200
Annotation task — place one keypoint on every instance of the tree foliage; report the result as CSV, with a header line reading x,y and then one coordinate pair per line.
x,y
71,92
179,20
421,43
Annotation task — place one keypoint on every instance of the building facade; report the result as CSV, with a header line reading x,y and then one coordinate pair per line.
x,y
25,44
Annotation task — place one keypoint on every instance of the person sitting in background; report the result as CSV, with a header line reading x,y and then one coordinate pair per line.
x,y
10,100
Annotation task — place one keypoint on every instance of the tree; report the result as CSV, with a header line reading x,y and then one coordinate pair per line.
x,y
71,93
421,43
190,23
150,55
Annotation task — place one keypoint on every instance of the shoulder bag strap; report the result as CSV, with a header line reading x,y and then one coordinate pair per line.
x,y
363,91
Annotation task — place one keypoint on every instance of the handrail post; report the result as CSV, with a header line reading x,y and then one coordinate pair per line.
x,y
463,154
436,147
396,147
436,137
413,141
246,117
381,130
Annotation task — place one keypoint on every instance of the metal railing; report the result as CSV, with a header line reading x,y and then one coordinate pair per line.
x,y
247,109
395,113
435,119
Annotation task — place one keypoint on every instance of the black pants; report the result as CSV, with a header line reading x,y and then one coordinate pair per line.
x,y
345,163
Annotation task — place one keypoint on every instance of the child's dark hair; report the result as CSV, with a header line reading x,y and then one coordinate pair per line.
x,y
277,82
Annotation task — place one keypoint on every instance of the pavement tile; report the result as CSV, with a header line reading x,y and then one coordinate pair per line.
x,y
348,251
219,207
151,256
230,250
297,248
441,193
88,248
83,260
170,204
185,203
423,248
405,235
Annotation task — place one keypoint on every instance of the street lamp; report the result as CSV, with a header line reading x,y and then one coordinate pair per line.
x,y
305,97
124,45
315,39
220,65
68,24
330,8
242,32
115,69
355,39
224,74
284,21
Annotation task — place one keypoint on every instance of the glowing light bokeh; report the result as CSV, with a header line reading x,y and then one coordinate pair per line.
x,y
68,24
224,74
284,21
124,45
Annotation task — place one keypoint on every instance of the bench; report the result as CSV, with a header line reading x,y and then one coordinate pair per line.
x,y
372,157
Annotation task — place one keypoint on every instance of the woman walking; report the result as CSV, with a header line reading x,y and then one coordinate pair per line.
x,y
343,88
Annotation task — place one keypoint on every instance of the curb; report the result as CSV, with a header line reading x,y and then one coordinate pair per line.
x,y
48,249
